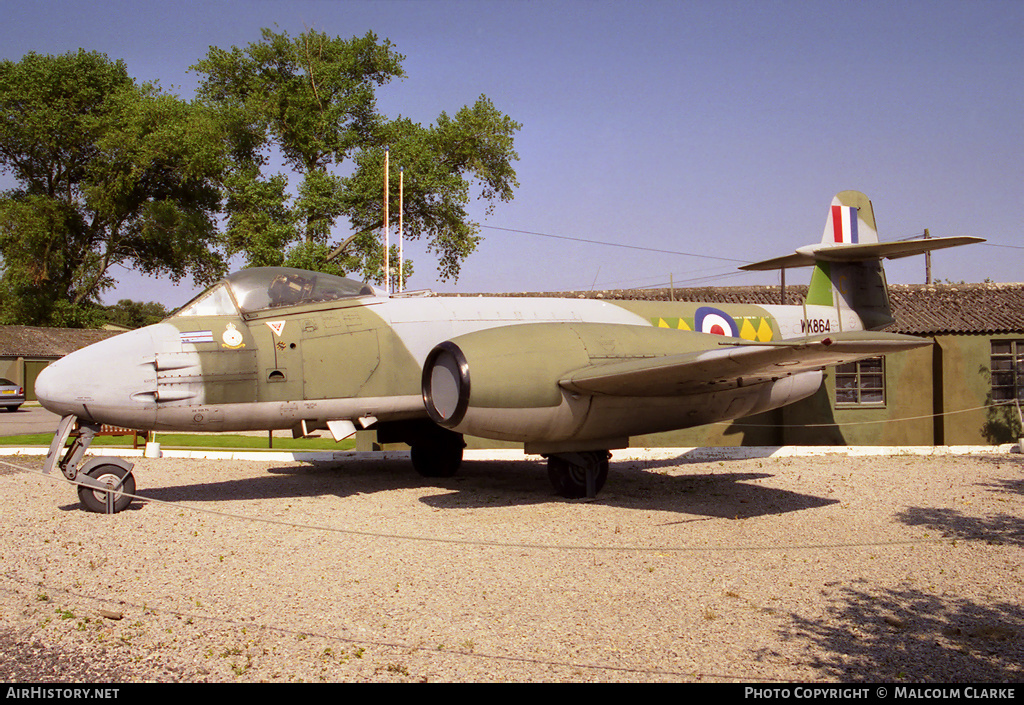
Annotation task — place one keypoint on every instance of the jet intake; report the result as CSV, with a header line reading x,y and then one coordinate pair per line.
x,y
446,392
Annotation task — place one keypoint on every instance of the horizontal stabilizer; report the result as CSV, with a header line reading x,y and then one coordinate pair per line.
x,y
732,365
807,256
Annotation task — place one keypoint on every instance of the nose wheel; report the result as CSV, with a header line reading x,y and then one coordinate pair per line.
x,y
106,488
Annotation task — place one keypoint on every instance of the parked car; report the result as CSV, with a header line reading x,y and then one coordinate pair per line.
x,y
11,395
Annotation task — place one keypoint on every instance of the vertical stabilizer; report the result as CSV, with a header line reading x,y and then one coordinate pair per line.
x,y
855,288
847,263
851,221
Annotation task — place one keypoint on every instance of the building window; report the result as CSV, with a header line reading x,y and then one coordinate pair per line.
x,y
861,382
1007,370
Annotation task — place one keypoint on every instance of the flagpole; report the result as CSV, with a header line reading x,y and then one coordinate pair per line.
x,y
401,231
387,219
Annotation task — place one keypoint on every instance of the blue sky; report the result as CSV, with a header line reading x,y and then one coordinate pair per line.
x,y
720,129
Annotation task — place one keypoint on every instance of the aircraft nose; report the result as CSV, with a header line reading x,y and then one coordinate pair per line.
x,y
48,389
102,382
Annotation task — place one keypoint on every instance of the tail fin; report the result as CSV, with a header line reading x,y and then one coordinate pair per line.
x,y
847,263
857,287
851,221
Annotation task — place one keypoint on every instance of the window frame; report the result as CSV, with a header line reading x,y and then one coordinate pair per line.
x,y
861,372
1006,367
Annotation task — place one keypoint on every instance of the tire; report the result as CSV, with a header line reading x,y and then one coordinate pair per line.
x,y
438,455
95,500
570,480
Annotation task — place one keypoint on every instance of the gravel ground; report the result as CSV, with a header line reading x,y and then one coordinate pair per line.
x,y
896,569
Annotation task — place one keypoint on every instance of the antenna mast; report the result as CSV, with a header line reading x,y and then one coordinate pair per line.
x,y
401,229
387,223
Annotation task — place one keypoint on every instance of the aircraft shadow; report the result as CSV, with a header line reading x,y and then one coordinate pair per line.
x,y
711,495
315,479
707,455
494,483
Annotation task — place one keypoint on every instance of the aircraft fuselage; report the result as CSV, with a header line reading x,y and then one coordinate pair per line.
x,y
359,359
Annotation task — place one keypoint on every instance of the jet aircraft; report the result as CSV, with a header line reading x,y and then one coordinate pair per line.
x,y
571,379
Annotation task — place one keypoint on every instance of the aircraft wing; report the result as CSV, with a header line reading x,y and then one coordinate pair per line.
x,y
734,363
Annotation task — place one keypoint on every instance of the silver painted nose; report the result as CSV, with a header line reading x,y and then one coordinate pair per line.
x,y
107,382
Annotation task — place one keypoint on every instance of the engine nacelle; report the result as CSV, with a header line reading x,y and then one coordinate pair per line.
x,y
502,383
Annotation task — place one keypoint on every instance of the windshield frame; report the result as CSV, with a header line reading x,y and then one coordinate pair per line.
x,y
266,288
256,289
219,295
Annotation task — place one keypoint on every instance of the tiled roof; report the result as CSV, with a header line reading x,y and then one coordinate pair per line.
x,y
917,308
958,308
722,295
32,341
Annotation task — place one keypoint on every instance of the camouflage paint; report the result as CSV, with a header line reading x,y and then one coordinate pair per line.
x,y
358,355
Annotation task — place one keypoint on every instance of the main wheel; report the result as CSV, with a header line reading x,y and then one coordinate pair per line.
x,y
95,500
570,479
438,454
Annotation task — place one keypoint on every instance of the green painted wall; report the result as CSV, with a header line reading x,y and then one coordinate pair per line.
x,y
24,372
759,430
12,369
967,386
903,419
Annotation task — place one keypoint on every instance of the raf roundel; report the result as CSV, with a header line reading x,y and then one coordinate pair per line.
x,y
715,321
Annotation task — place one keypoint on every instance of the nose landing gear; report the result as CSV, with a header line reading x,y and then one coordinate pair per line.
x,y
105,485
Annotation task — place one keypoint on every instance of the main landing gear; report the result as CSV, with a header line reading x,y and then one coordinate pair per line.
x,y
437,454
575,475
435,451
105,485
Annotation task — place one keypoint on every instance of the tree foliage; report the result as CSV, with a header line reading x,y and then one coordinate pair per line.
x,y
133,314
312,99
108,172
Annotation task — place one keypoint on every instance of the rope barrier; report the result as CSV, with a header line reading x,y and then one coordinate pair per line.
x,y
532,546
866,423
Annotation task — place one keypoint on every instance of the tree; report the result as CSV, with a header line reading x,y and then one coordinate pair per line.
x,y
108,173
134,314
313,99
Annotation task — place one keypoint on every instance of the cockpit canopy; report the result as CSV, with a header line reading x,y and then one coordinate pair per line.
x,y
260,288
